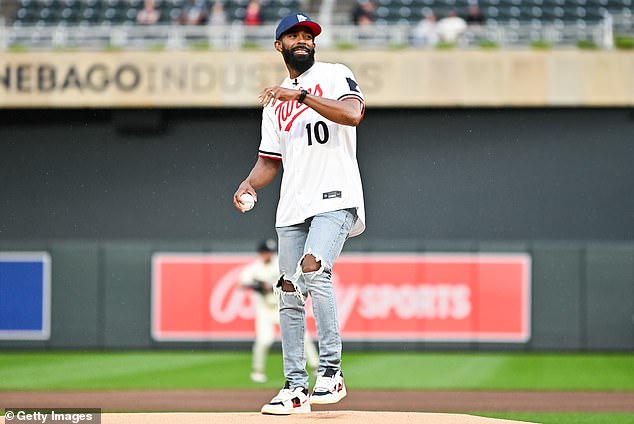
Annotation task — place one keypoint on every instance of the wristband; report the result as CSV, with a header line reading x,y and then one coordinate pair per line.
x,y
302,96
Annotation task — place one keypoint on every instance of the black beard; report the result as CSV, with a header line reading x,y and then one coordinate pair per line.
x,y
299,64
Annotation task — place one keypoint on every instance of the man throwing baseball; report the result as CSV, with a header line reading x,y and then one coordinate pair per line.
x,y
308,126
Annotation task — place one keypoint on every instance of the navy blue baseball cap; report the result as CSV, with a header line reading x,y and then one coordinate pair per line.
x,y
297,19
268,245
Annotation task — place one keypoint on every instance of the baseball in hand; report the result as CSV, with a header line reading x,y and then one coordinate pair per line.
x,y
248,202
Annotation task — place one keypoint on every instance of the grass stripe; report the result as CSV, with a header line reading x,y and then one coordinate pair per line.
x,y
200,370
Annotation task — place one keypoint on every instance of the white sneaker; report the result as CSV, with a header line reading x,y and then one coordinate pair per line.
x,y
329,388
258,377
288,401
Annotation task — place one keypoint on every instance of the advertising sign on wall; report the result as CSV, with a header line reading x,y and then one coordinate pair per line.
x,y
412,297
25,296
388,78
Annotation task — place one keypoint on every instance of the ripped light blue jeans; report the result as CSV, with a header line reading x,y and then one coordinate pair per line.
x,y
323,237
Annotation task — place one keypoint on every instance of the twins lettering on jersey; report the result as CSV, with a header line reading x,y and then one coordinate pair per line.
x,y
288,111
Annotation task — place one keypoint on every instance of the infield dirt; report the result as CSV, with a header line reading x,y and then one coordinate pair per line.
x,y
361,400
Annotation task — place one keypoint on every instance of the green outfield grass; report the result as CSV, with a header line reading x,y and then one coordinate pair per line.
x,y
201,370
207,370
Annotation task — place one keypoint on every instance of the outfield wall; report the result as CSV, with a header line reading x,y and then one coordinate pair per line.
x,y
582,294
468,174
103,190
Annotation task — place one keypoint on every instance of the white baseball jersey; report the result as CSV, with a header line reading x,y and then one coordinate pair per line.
x,y
321,172
269,273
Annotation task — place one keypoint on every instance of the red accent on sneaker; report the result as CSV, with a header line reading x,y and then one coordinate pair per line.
x,y
296,403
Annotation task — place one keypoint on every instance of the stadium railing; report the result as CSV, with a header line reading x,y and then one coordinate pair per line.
x,y
235,37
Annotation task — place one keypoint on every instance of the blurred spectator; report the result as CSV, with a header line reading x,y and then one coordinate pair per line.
x,y
194,13
260,276
253,13
425,33
363,13
451,27
149,14
218,15
474,18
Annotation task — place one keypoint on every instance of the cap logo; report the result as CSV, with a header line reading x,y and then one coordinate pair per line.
x,y
297,18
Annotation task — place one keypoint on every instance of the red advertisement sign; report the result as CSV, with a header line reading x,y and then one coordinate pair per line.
x,y
435,297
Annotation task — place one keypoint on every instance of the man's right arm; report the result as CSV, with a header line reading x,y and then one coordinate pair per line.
x,y
263,172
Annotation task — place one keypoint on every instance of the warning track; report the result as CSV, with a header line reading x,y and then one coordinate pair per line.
x,y
361,400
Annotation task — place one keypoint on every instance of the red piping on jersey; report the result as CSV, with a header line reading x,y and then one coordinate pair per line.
x,y
262,155
355,97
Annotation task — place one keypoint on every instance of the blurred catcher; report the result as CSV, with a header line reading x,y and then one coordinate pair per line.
x,y
260,276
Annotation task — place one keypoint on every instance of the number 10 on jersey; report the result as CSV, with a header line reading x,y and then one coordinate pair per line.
x,y
319,131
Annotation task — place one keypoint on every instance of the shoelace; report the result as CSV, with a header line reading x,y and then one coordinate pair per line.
x,y
283,395
324,384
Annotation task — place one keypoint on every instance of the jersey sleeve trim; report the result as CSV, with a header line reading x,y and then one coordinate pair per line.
x,y
269,155
356,97
352,96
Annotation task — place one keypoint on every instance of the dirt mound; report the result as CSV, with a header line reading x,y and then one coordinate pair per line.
x,y
340,417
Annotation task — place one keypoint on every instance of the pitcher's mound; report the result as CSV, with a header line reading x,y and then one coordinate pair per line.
x,y
344,417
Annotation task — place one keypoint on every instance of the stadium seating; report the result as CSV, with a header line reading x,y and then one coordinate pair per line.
x,y
108,12
510,13
589,11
